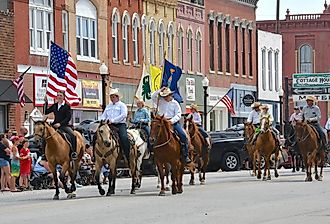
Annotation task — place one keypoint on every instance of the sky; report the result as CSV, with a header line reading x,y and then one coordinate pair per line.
x,y
267,8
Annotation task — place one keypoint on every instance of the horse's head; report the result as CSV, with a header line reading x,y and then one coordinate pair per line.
x,y
264,124
103,134
249,129
301,130
39,130
159,127
289,133
189,125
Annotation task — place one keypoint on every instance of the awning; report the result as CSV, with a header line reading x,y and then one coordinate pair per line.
x,y
8,92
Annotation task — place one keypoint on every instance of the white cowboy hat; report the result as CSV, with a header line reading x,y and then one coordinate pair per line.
x,y
114,91
194,106
256,104
312,98
262,107
166,92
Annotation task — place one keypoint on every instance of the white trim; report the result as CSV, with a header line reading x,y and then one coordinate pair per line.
x,y
85,8
87,59
33,69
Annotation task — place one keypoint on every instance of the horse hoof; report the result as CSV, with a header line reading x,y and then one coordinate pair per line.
x,y
293,171
259,176
108,194
167,188
71,196
191,182
179,191
202,182
158,186
264,178
316,177
269,178
132,191
276,175
56,197
102,192
162,193
174,192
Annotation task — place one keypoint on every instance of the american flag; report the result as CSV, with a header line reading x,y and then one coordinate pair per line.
x,y
63,75
18,82
228,100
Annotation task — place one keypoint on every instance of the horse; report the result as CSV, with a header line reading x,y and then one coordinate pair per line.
x,y
167,148
310,148
249,130
200,153
106,151
291,144
57,151
266,145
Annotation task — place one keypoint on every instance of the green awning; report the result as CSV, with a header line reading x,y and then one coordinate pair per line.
x,y
8,92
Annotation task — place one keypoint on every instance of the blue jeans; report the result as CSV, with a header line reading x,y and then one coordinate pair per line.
x,y
320,131
123,138
183,138
203,132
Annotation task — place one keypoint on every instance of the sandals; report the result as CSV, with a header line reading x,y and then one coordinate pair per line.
x,y
16,190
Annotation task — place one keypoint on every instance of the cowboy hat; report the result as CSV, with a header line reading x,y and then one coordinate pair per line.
x,y
194,106
114,91
165,92
312,98
262,107
255,104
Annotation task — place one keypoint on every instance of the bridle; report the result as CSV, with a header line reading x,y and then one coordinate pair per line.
x,y
43,133
305,128
158,134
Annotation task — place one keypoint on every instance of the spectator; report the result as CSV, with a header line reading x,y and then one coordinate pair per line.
x,y
15,163
23,131
4,164
42,167
25,165
89,150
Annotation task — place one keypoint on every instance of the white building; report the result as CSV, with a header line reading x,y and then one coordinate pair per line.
x,y
270,71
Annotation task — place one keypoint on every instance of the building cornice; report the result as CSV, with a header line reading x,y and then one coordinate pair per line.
x,y
251,3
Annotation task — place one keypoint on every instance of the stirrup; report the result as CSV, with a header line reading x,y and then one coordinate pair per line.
x,y
74,155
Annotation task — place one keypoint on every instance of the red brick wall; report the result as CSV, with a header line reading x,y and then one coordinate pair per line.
x,y
119,72
233,10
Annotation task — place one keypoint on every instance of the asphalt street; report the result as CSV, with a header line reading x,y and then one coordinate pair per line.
x,y
227,197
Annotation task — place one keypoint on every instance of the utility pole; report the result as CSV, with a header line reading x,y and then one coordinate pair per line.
x,y
277,16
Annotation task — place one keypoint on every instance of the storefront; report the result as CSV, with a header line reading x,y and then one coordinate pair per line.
x,y
218,117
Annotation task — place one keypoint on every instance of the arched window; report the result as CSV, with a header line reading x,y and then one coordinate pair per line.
x,y
115,21
170,37
135,31
144,28
189,49
199,50
306,59
86,17
40,25
263,71
277,80
126,23
270,70
161,34
180,47
152,30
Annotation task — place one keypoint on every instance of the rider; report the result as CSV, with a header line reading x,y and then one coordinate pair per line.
x,y
142,118
115,114
265,114
295,116
254,116
312,114
198,121
62,113
171,110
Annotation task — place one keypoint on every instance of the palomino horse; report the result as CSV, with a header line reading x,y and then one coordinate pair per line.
x,y
266,145
200,154
249,130
57,152
166,149
106,151
310,148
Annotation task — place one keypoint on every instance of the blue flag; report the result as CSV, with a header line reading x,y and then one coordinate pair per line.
x,y
171,76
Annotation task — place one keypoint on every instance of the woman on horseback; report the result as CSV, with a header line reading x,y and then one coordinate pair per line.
x,y
266,115
198,120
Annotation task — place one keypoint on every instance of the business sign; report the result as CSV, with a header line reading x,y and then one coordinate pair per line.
x,y
90,93
39,93
248,100
319,97
190,89
312,80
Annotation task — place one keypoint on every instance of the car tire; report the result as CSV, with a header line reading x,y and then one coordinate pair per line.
x,y
230,162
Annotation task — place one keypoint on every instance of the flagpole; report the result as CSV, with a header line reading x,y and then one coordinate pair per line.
x,y
48,68
158,97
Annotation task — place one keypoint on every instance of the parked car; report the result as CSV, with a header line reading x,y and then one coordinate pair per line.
x,y
239,128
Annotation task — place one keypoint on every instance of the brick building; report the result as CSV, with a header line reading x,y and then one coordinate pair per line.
x,y
305,49
230,40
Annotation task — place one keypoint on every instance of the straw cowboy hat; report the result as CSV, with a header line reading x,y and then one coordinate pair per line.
x,y
262,107
312,98
255,104
114,91
166,92
194,106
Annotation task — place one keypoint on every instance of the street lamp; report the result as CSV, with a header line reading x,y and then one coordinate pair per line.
x,y
103,72
205,83
280,94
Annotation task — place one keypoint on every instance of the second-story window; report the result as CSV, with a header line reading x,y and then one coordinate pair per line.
x,y
180,48
199,51
236,50
152,30
243,52
227,46
211,44
161,35
277,78
41,25
263,71
65,30
189,49
306,59
170,36
126,23
86,30
143,30
270,70
135,31
114,29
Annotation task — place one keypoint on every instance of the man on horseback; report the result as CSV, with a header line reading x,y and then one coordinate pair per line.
x,y
115,114
265,114
62,113
312,114
254,118
142,119
198,120
171,110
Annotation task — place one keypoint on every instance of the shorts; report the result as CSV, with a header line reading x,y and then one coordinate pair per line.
x,y
3,162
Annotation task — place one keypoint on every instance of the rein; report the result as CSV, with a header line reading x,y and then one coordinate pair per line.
x,y
305,136
162,144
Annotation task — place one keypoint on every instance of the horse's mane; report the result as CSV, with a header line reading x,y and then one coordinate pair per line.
x,y
167,123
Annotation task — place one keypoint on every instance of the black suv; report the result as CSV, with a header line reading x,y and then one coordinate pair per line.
x,y
227,151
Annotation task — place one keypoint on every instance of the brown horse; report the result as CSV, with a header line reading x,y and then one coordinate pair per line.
x,y
310,148
166,147
106,152
57,151
249,130
266,145
200,153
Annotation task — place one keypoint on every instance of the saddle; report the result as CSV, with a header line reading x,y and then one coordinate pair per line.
x,y
67,138
316,132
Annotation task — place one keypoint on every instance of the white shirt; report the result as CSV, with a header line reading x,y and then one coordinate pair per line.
x,y
296,117
115,113
171,110
254,117
327,125
59,105
197,118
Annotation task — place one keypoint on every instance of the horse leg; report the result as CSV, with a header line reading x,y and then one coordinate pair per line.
x,y
192,177
63,177
57,190
276,161
112,179
174,177
97,177
294,162
167,174
266,167
179,176
161,174
322,160
307,168
259,164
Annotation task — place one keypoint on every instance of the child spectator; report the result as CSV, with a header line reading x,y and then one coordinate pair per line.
x,y
15,163
25,165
